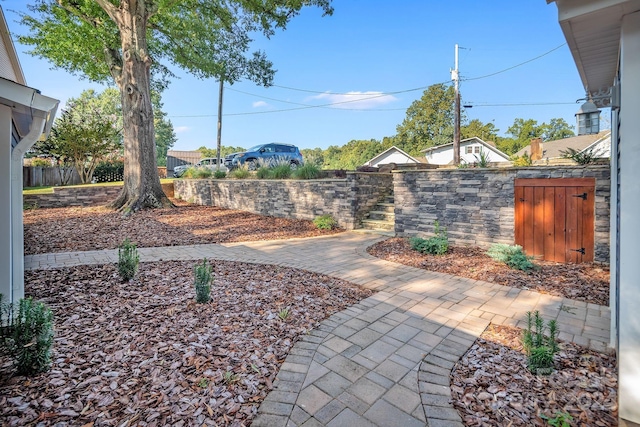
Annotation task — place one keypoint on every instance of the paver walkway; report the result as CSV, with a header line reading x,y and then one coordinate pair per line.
x,y
386,360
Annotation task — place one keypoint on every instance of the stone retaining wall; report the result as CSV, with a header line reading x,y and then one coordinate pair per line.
x,y
346,200
79,196
477,205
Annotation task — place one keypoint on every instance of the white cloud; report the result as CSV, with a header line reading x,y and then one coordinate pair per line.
x,y
356,100
182,129
259,104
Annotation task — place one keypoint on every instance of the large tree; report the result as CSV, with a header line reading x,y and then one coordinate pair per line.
x,y
125,40
84,134
429,121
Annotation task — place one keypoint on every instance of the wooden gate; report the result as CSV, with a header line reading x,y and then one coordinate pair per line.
x,y
554,218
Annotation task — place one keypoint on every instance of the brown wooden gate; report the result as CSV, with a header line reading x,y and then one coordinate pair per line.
x,y
554,218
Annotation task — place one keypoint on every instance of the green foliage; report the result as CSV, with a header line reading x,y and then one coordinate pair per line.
x,y
213,153
585,157
482,159
540,348
219,174
281,171
203,383
435,245
314,156
263,172
325,222
475,128
197,173
561,419
513,256
27,335
307,171
229,377
429,120
241,172
84,134
557,129
128,260
203,277
109,171
283,314
41,163
351,155
522,161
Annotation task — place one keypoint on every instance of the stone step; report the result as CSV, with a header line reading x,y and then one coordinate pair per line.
x,y
387,207
375,224
382,215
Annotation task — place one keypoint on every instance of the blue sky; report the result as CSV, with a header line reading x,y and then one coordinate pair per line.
x,y
365,50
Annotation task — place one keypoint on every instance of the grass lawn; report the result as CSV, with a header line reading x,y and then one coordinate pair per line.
x,y
49,189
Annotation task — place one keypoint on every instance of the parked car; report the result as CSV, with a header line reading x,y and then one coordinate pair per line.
x,y
228,159
268,154
209,163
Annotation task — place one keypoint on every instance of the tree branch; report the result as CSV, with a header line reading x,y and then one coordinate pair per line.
x,y
72,8
110,9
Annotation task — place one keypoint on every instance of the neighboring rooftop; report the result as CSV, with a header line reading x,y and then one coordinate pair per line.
x,y
553,149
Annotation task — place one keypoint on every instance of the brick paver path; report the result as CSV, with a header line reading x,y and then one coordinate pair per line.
x,y
386,360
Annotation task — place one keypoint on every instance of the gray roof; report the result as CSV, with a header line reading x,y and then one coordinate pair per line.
x,y
553,149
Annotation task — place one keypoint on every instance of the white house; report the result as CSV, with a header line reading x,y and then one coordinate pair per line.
x,y
604,39
392,155
25,116
598,143
470,151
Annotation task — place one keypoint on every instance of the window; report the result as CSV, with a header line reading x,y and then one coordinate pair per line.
x,y
468,149
477,150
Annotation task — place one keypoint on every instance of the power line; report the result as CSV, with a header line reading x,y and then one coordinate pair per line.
x,y
517,65
472,105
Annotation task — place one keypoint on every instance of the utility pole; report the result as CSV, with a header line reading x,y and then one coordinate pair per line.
x,y
219,123
456,120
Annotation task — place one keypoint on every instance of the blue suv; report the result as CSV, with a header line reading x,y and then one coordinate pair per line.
x,y
267,154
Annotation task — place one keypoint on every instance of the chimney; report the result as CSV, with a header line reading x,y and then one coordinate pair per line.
x,y
536,149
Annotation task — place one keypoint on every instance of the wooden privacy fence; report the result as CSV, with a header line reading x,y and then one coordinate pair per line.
x,y
554,218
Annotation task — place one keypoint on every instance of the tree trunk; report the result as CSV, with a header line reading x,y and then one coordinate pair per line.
x,y
141,187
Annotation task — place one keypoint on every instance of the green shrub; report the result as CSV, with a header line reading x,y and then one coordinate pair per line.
x,y
524,160
561,419
109,171
325,222
240,173
28,336
128,260
219,174
482,159
307,171
540,348
202,281
263,172
197,173
436,245
513,256
281,171
40,162
582,157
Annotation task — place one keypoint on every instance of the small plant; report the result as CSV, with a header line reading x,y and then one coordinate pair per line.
x,y
283,314
281,171
540,348
482,159
263,172
128,260
436,245
203,383
307,171
524,160
561,419
197,173
586,157
241,172
202,281
325,222
219,174
229,378
28,336
513,256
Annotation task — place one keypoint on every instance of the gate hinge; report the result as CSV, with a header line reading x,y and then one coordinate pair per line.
x,y
581,250
583,196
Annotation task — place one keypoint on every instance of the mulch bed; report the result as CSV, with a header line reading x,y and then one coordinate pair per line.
x,y
145,353
82,229
581,282
491,385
